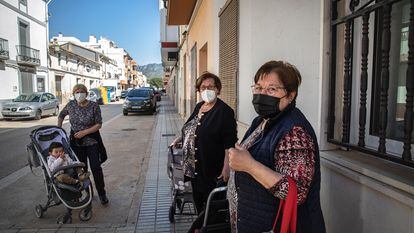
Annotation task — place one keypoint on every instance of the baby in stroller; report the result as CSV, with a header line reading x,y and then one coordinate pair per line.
x,y
57,158
65,181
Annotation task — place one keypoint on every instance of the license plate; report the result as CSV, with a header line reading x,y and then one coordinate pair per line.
x,y
136,107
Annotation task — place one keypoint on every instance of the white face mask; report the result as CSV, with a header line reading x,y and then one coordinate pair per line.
x,y
208,96
80,97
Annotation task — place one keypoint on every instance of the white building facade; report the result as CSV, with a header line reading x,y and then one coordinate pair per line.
x,y
70,64
23,47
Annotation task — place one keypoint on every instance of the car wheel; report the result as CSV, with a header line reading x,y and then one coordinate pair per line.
x,y
38,115
56,111
125,113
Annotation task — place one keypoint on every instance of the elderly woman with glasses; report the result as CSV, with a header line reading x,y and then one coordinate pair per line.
x,y
86,120
279,147
206,136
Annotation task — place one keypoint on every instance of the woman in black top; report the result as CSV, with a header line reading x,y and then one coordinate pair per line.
x,y
206,136
86,120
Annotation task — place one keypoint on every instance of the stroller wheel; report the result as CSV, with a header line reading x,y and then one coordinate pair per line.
x,y
171,213
39,211
85,214
64,219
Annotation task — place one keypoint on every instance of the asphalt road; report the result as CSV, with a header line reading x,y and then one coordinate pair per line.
x,y
128,141
14,136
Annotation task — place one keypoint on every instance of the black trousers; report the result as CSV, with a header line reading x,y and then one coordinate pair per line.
x,y
92,153
201,190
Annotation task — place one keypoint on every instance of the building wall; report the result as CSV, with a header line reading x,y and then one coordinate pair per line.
x,y
360,193
266,34
9,73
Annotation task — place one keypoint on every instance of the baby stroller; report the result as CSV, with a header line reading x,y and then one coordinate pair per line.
x,y
181,191
73,197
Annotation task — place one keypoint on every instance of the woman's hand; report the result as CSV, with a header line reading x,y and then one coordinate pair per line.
x,y
80,134
225,173
175,143
240,159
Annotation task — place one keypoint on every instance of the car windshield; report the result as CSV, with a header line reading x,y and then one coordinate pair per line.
x,y
28,98
138,93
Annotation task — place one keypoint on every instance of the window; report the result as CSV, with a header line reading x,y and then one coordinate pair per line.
x,y
59,58
172,56
368,107
26,83
50,96
40,84
45,98
24,34
397,91
23,5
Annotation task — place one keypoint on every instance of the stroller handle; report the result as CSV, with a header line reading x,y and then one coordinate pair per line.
x,y
80,164
210,196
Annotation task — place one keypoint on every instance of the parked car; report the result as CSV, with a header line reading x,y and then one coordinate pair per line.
x,y
95,96
34,105
124,94
139,100
152,92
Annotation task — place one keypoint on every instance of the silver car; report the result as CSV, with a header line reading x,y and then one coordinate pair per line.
x,y
34,105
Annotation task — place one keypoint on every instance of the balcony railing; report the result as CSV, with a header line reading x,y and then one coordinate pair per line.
x,y
4,49
27,56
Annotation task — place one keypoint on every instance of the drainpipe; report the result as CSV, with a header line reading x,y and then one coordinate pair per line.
x,y
47,42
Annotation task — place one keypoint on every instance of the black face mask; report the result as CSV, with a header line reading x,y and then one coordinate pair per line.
x,y
266,106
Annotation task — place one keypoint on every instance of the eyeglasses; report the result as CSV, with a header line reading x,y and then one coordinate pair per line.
x,y
202,88
271,90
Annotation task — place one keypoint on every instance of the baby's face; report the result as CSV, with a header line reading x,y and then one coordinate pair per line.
x,y
56,152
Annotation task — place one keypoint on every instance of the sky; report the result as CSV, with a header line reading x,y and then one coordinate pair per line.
x,y
132,24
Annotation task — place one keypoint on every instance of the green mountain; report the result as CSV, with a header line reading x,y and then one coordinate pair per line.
x,y
151,70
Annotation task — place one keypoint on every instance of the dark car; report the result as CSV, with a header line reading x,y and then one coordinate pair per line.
x,y
124,94
152,92
139,100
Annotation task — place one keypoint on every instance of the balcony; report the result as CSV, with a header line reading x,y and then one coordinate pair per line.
x,y
4,49
27,56
179,12
169,53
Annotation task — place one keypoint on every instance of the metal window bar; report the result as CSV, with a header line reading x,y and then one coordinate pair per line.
x,y
4,48
385,38
26,53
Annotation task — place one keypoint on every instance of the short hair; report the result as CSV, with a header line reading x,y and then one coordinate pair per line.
x,y
208,75
55,145
79,87
288,74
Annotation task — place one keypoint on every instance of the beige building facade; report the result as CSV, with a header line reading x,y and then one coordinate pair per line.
x,y
354,57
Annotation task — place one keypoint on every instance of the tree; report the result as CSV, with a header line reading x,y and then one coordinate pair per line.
x,y
156,82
